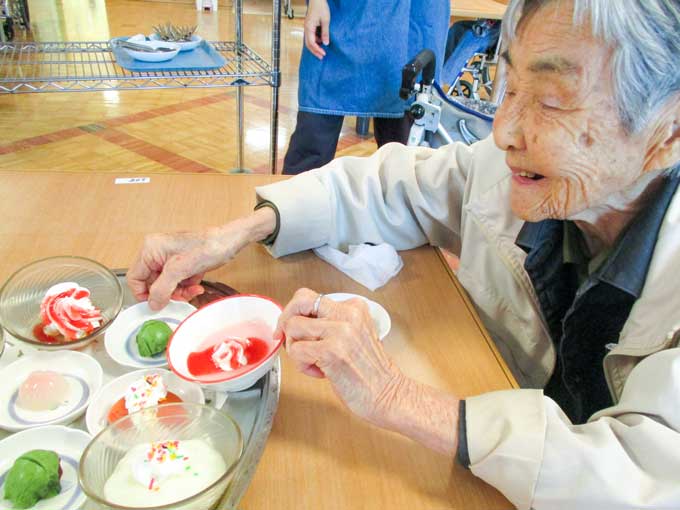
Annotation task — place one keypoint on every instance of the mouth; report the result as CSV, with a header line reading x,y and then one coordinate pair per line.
x,y
525,175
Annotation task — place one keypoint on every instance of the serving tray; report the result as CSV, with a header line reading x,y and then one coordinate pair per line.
x,y
202,58
253,408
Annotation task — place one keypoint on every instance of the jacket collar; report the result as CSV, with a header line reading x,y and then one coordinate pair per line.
x,y
626,266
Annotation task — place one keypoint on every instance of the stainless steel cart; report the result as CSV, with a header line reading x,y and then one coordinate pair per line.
x,y
27,67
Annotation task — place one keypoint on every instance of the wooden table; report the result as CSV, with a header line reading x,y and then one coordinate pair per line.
x,y
487,9
318,456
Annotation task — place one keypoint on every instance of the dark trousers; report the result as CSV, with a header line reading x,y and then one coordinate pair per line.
x,y
315,139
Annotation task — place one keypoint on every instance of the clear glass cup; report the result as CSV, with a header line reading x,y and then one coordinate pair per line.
x,y
176,422
22,293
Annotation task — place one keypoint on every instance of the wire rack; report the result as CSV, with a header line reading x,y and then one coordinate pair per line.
x,y
88,66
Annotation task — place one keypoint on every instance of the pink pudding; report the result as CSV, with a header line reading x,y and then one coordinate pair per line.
x,y
43,390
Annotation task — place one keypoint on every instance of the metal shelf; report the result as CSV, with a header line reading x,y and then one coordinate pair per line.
x,y
89,66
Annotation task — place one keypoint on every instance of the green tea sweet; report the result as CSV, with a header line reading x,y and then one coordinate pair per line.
x,y
34,476
152,338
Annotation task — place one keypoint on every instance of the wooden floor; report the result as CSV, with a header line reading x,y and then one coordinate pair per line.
x,y
142,132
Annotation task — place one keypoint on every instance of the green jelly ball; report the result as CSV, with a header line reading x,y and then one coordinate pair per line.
x,y
33,476
153,337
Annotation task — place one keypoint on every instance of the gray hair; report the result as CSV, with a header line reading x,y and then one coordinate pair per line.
x,y
645,37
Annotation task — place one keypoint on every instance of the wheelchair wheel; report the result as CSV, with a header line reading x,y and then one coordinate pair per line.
x,y
464,88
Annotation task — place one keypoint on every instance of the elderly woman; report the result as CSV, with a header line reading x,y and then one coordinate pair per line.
x,y
566,224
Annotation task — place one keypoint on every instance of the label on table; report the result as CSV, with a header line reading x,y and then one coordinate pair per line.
x,y
133,180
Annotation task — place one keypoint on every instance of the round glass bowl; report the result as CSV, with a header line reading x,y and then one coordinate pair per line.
x,y
169,422
22,293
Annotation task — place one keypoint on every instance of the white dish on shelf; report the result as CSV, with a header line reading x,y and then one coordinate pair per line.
x,y
120,338
183,46
151,56
68,443
83,375
382,320
96,418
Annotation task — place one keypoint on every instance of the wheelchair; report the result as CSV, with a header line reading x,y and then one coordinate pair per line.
x,y
440,118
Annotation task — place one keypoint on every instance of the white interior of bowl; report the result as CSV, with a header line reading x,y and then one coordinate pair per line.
x,y
214,317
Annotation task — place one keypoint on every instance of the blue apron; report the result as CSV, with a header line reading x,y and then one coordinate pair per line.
x,y
370,42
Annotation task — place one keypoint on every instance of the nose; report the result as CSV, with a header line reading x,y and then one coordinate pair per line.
x,y
507,125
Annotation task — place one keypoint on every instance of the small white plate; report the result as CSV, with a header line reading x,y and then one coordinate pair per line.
x,y
183,46
120,341
382,320
156,56
97,413
82,372
68,443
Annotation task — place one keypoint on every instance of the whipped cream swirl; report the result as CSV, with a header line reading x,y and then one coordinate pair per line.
x,y
145,392
230,354
67,310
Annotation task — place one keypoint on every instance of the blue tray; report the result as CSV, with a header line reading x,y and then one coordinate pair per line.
x,y
202,58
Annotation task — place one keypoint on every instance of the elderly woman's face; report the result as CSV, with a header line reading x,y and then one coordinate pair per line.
x,y
565,143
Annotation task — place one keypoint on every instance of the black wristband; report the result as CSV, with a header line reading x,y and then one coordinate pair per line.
x,y
463,453
271,237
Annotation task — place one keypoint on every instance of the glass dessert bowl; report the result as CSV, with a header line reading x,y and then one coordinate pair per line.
x,y
173,456
60,302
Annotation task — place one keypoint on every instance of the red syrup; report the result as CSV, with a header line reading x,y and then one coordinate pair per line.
x,y
40,335
200,363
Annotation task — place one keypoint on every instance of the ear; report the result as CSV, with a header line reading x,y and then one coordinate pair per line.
x,y
663,150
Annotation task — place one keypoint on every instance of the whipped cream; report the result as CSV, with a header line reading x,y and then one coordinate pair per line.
x,y
160,462
154,474
231,352
145,392
67,310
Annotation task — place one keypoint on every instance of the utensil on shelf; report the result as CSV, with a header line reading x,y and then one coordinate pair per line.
x,y
147,49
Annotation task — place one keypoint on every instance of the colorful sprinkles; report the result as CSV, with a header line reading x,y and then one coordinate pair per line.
x,y
161,453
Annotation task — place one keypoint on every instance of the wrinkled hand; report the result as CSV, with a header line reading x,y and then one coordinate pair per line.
x,y
342,345
173,265
317,23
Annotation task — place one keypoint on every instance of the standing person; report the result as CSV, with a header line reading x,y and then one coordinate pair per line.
x,y
351,65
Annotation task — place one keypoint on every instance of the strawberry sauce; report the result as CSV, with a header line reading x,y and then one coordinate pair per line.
x,y
201,364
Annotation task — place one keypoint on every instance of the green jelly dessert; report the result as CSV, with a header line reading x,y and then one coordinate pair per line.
x,y
33,476
153,337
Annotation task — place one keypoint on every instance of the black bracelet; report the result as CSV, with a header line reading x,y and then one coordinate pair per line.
x,y
271,237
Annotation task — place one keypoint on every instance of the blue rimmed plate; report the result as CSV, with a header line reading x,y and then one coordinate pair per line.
x,y
120,338
82,373
68,443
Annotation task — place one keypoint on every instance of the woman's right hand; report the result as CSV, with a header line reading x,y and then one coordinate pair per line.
x,y
317,27
171,266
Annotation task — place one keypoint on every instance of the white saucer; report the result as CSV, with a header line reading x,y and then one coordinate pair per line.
x,y
68,443
82,372
159,56
382,320
97,413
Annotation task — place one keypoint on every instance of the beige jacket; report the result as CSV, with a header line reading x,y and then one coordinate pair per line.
x,y
456,197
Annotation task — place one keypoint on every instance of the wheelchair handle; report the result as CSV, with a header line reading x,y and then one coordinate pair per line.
x,y
423,61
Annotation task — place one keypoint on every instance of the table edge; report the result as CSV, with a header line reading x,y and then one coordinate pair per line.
x,y
480,325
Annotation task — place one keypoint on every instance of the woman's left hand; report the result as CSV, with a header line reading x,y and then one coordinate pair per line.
x,y
341,344
339,341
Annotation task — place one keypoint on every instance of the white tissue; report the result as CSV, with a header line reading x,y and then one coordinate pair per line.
x,y
371,266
